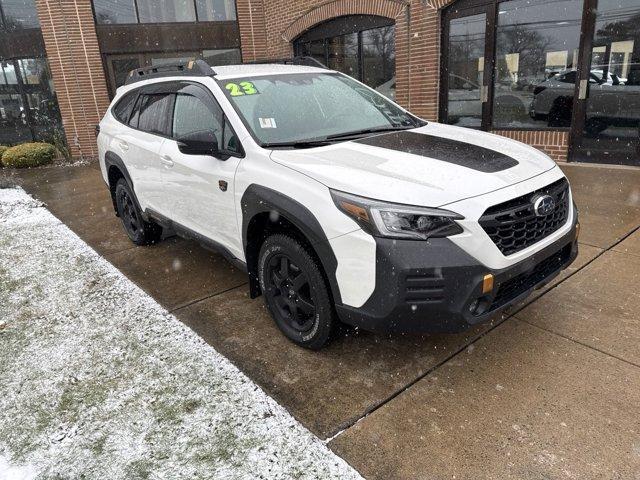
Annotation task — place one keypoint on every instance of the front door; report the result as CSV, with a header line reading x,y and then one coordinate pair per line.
x,y
468,67
607,113
199,189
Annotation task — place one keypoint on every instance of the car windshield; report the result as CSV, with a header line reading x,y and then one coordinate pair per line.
x,y
291,109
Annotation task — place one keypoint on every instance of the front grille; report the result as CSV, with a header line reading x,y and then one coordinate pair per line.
x,y
514,225
519,284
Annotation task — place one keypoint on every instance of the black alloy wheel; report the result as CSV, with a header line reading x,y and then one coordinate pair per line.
x,y
296,292
291,293
139,231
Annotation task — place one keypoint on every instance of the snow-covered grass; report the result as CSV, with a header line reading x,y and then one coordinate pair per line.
x,y
98,381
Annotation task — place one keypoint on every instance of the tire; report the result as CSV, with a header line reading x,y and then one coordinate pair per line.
x,y
296,292
560,113
139,231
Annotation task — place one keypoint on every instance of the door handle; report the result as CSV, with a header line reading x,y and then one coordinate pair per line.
x,y
124,145
166,161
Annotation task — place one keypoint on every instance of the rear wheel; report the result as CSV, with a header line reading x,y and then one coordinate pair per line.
x,y
139,231
296,292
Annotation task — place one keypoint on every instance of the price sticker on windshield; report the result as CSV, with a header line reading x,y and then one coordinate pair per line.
x,y
242,88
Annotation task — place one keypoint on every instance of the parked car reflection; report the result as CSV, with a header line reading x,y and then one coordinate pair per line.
x,y
613,101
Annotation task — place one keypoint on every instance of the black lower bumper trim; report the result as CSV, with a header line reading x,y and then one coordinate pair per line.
x,y
435,286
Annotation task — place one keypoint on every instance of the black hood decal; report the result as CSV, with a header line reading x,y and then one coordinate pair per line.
x,y
443,149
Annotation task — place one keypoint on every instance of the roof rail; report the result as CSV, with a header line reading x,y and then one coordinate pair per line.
x,y
191,68
299,60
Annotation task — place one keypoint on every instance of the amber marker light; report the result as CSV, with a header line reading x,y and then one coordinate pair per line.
x,y
487,283
355,210
577,230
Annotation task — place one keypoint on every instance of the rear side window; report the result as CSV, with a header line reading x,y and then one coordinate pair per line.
x,y
122,109
155,113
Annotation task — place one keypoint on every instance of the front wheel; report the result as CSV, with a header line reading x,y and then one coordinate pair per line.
x,y
296,292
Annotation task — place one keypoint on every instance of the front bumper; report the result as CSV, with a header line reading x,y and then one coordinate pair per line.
x,y
437,287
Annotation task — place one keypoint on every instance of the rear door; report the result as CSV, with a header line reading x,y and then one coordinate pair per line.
x,y
150,125
198,189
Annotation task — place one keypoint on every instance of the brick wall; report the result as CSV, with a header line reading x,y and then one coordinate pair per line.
x,y
275,23
72,49
554,144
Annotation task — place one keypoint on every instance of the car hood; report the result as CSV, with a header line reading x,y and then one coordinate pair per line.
x,y
432,165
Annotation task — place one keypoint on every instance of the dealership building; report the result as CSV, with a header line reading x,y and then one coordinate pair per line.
x,y
560,75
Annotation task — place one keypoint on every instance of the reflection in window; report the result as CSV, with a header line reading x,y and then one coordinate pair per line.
x,y
216,10
466,70
343,54
379,59
159,11
115,11
20,13
8,72
28,104
537,40
375,66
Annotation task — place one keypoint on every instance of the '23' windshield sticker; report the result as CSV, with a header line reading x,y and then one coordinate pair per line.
x,y
242,88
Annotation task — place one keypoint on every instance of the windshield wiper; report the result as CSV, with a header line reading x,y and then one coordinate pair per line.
x,y
298,144
364,131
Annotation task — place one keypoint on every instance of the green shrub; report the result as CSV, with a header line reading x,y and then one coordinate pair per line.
x,y
3,148
28,155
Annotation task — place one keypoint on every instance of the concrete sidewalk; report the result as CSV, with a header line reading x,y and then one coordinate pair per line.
x,y
553,391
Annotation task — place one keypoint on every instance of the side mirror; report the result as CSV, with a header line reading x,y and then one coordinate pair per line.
x,y
203,142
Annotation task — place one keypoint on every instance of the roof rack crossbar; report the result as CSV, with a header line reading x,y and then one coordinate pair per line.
x,y
191,68
298,60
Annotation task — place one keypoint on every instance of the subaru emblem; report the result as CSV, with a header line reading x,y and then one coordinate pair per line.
x,y
543,205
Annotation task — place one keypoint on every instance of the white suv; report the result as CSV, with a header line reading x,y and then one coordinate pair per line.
x,y
339,204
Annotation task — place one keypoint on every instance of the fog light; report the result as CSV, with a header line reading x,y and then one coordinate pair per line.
x,y
473,306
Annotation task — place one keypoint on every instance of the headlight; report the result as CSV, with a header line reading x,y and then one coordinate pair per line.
x,y
397,221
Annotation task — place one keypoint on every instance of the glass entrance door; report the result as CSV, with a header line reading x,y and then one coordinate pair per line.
x,y
466,71
607,121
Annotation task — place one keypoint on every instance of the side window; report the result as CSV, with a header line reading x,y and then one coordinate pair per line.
x,y
155,113
230,140
122,109
133,119
192,115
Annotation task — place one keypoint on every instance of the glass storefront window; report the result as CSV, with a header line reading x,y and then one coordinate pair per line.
x,y
115,11
537,41
28,104
216,10
343,54
379,60
466,70
368,54
8,72
19,13
160,11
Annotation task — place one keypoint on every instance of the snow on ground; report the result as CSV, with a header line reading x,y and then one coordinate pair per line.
x,y
98,381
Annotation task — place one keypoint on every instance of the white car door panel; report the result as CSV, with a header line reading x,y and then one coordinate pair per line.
x,y
199,189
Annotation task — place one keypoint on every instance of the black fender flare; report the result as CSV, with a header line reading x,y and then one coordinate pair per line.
x,y
112,159
258,200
